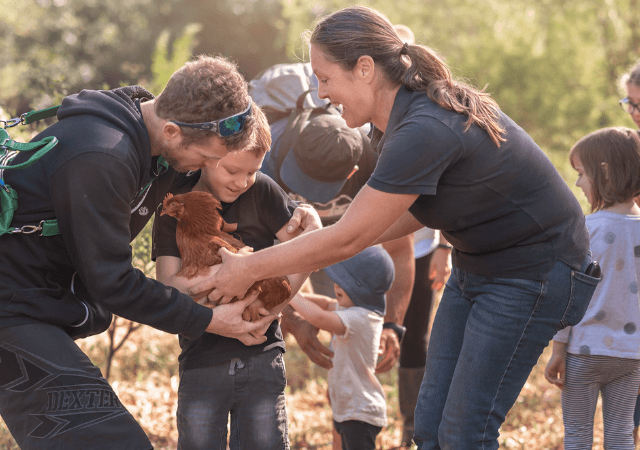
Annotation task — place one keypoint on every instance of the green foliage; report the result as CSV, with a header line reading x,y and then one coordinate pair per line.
x,y
52,48
55,47
552,66
163,65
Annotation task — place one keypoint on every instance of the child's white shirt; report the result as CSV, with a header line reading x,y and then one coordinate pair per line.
x,y
611,325
355,392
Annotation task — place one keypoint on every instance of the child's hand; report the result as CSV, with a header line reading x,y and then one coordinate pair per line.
x,y
204,301
254,311
556,369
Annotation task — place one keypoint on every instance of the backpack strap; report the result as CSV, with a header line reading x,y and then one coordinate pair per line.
x,y
8,196
41,147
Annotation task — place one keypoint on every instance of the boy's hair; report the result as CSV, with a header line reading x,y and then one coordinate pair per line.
x,y
262,133
203,90
611,160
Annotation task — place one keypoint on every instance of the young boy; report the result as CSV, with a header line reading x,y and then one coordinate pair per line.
x,y
355,318
221,376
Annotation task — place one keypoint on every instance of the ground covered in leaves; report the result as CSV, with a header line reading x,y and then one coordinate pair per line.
x,y
144,375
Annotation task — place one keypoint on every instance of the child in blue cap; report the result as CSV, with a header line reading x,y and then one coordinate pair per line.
x,y
355,318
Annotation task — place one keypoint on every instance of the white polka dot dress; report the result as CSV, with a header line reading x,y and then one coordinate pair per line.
x,y
611,325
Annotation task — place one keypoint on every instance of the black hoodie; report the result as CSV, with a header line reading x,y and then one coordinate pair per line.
x,y
90,182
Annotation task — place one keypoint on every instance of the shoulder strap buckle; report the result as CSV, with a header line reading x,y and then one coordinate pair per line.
x,y
27,229
11,122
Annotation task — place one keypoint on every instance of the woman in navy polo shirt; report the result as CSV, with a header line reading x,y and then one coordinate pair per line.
x,y
449,159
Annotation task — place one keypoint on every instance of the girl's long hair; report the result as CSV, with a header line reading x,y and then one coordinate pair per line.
x,y
350,33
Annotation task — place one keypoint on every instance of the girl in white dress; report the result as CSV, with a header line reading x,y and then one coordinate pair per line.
x,y
602,353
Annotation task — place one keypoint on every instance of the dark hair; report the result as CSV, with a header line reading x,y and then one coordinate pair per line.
x,y
632,76
206,89
350,33
611,160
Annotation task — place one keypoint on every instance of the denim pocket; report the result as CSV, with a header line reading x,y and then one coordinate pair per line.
x,y
582,288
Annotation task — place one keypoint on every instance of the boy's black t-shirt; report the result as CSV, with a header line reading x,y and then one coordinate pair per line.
x,y
506,210
260,213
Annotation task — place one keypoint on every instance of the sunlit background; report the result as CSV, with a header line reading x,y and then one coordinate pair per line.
x,y
553,66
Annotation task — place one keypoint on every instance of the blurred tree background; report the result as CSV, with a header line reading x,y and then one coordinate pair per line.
x,y
552,66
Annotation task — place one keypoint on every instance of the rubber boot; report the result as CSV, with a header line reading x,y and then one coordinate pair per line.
x,y
409,380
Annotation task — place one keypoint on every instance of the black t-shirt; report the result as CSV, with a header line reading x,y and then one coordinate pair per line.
x,y
260,213
506,210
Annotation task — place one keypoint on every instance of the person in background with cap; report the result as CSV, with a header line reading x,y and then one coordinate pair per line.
x,y
355,318
327,166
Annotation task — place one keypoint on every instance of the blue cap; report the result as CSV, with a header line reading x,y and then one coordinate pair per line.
x,y
365,278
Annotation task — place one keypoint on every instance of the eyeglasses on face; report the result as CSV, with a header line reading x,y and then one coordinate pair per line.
x,y
226,127
628,106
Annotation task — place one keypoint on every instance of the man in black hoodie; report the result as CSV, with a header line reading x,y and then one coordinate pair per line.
x,y
102,183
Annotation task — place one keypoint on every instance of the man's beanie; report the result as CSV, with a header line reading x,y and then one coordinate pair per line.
x,y
365,278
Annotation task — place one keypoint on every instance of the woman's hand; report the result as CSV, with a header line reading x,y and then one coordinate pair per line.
x,y
227,321
228,280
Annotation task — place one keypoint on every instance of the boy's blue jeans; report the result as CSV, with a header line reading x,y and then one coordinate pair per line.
x,y
251,389
487,335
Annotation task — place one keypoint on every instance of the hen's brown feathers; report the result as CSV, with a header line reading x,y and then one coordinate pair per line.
x,y
199,236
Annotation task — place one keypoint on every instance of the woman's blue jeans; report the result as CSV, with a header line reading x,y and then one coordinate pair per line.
x,y
487,336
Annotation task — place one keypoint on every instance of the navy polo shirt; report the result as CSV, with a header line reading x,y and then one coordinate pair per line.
x,y
505,209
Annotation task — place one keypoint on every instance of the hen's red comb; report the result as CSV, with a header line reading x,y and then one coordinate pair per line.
x,y
169,195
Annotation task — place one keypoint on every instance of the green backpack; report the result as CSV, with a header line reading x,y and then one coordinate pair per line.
x,y
9,149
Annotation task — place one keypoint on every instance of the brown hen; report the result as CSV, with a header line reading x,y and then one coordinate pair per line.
x,y
200,235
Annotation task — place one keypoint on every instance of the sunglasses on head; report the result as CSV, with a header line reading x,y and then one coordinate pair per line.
x,y
226,127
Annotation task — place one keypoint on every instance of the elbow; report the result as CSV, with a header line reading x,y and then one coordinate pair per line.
x,y
346,245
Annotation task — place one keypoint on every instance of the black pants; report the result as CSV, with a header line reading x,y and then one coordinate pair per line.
x,y
413,350
357,435
52,397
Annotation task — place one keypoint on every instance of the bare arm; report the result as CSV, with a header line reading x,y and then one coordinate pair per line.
x,y
166,269
316,316
404,226
399,295
439,266
370,214
324,302
306,336
296,280
398,298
